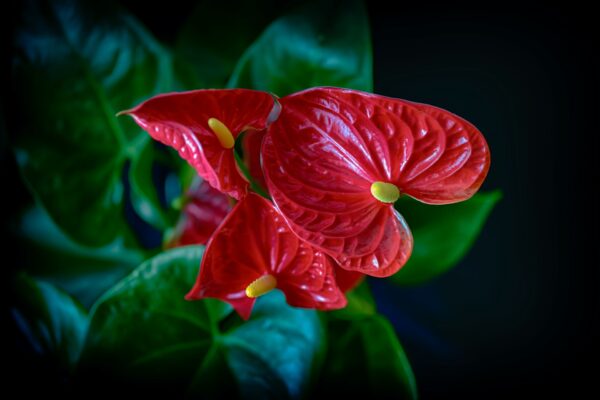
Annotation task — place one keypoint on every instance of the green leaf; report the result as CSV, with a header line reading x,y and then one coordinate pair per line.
x,y
83,272
78,64
360,304
54,323
364,354
215,36
144,196
319,44
442,234
144,331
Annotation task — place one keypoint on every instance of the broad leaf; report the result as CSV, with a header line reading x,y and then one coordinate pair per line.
x,y
442,234
364,354
77,65
53,322
321,43
215,36
84,272
144,333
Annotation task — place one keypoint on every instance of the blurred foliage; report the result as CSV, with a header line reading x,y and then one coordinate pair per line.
x,y
442,234
95,177
53,322
78,65
318,44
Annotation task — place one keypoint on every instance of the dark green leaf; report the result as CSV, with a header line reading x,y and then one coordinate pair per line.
x,y
322,43
145,330
442,234
360,304
215,36
83,272
79,63
54,323
364,354
144,197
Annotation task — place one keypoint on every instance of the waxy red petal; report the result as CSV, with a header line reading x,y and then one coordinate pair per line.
x,y
347,280
459,172
180,120
204,211
329,145
254,240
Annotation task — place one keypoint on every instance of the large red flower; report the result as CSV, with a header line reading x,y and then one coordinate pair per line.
x,y
336,160
253,252
202,126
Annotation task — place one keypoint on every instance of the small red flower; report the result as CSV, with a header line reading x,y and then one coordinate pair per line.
x,y
253,252
336,160
202,126
204,211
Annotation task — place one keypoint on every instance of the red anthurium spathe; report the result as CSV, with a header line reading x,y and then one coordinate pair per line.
x,y
347,280
202,126
254,251
203,212
336,160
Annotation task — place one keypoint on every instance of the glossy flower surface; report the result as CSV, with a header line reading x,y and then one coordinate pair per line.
x,y
336,160
202,126
253,252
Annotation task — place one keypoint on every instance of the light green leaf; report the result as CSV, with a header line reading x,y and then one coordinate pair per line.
x,y
442,234
321,43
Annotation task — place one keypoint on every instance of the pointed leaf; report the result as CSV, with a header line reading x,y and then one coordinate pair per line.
x,y
320,43
443,234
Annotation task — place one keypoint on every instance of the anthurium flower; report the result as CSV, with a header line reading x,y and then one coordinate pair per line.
x,y
347,280
336,160
253,252
202,126
204,210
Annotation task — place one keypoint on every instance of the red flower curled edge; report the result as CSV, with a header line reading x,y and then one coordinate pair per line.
x,y
334,161
202,126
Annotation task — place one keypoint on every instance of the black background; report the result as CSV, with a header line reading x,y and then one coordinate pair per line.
x,y
519,316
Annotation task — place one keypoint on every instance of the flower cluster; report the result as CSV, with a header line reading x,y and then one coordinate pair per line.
x,y
334,161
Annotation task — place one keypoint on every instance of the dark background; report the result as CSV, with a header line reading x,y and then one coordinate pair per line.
x,y
519,316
